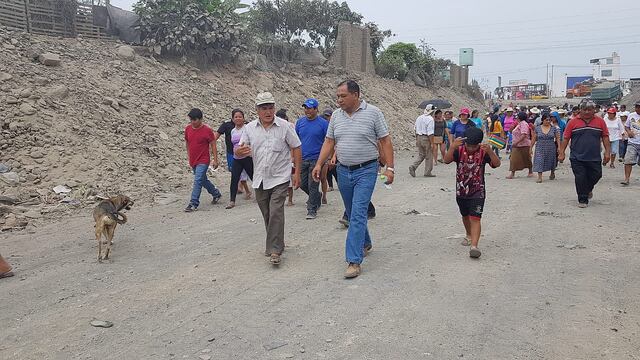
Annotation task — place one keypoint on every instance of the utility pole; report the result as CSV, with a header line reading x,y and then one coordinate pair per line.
x,y
547,80
551,88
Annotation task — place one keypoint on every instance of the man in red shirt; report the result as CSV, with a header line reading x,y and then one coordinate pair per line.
x,y
201,143
585,132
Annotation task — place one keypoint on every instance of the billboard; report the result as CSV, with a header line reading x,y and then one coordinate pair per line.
x,y
573,80
518,82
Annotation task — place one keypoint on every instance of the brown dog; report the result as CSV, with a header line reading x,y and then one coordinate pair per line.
x,y
107,216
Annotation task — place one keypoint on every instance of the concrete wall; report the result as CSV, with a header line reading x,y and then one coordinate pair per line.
x,y
459,76
353,50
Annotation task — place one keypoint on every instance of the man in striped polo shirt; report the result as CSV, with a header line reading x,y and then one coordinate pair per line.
x,y
355,131
585,132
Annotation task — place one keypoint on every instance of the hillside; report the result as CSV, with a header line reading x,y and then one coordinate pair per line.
x,y
107,121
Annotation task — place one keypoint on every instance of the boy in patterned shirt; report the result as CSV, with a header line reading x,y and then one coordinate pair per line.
x,y
471,158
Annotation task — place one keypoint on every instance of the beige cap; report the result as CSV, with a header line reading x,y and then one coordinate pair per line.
x,y
265,98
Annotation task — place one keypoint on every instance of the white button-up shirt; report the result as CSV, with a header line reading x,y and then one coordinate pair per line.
x,y
271,152
425,125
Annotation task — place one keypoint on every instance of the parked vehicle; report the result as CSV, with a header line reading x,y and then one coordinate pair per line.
x,y
606,93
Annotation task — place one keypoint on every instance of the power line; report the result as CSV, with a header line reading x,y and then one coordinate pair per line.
x,y
563,47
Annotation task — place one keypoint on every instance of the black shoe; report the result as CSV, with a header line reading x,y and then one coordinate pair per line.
x,y
371,216
216,199
190,208
312,215
344,221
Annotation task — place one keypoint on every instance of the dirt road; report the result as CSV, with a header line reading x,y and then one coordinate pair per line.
x,y
554,281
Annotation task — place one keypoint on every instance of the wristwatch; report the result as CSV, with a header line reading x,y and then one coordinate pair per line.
x,y
391,169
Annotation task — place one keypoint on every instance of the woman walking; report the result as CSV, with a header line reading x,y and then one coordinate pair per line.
x,y
461,125
616,133
495,129
521,147
439,132
545,139
242,166
509,122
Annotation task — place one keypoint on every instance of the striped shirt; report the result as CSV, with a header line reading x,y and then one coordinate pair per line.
x,y
586,138
356,136
271,151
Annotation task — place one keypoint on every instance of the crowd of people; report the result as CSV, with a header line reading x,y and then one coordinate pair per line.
x,y
352,145
531,137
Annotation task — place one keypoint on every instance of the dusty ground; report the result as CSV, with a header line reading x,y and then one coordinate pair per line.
x,y
554,281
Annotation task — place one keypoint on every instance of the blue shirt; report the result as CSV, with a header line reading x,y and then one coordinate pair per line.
x,y
311,134
458,128
478,122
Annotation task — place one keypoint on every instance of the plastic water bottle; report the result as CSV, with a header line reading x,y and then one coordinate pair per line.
x,y
384,179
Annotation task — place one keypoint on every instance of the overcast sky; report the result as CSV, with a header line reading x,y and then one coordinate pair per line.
x,y
514,39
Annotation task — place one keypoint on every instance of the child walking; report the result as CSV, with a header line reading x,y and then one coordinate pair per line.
x,y
471,158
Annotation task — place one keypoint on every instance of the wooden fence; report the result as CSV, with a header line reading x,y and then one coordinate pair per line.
x,y
66,18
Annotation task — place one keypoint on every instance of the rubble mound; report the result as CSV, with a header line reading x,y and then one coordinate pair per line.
x,y
101,118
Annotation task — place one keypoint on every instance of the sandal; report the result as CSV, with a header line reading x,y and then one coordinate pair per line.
x,y
539,181
466,242
474,252
275,259
248,196
624,183
552,177
231,205
7,275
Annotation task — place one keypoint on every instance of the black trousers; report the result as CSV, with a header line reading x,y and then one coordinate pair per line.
x,y
587,175
332,173
245,164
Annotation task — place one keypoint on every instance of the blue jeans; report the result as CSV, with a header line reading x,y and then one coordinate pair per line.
x,y
230,161
200,180
356,188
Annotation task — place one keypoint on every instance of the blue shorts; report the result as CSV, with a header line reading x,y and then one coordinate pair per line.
x,y
615,147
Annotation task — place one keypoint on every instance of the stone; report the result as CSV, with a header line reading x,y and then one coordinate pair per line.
x,y
36,154
14,125
41,80
59,92
49,59
204,357
12,100
163,135
126,52
5,76
27,109
25,93
4,168
10,221
10,178
32,214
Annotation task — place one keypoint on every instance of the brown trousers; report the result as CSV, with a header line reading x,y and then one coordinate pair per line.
x,y
4,266
424,154
271,203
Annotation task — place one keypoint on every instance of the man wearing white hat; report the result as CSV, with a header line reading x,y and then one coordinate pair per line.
x,y
271,141
424,138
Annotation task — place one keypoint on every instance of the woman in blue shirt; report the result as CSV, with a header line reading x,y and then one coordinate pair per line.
x,y
476,120
461,125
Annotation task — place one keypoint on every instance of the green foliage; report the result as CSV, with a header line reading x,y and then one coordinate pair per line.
x,y
378,38
182,26
306,23
401,59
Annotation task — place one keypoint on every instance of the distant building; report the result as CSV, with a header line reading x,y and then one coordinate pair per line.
x,y
607,68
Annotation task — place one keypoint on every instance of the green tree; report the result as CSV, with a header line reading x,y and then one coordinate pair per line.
x,y
213,27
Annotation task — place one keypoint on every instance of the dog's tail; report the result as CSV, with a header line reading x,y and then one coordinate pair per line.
x,y
120,218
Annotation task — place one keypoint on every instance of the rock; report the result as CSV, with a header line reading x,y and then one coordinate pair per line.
x,y
33,214
14,125
60,92
10,222
311,57
112,102
10,178
49,59
36,154
163,135
5,76
126,52
61,189
101,323
41,80
27,109
204,357
25,93
275,345
4,168
12,100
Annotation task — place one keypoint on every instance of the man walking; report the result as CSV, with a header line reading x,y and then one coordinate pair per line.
x,y
201,144
355,130
585,132
271,142
311,129
632,125
424,138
